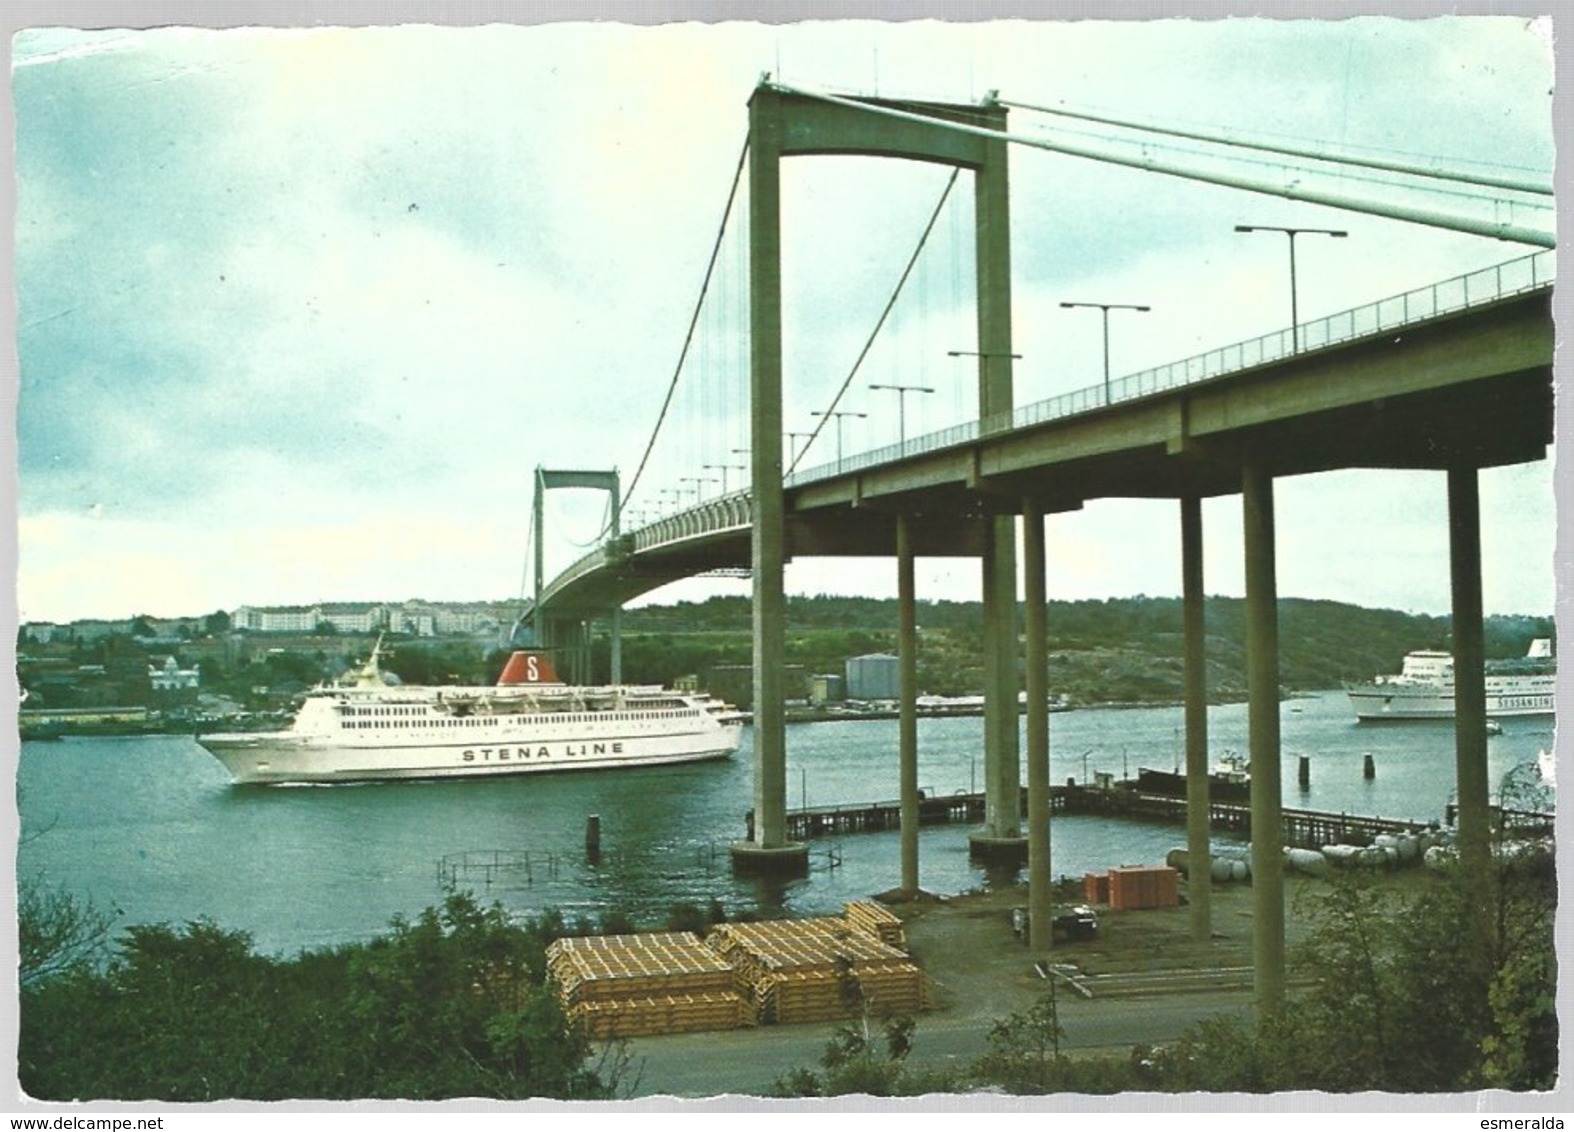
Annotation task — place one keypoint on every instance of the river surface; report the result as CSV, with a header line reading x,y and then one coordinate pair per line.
x,y
152,829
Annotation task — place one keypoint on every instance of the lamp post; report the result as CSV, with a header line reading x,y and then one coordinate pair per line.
x,y
1295,332
983,372
901,392
976,354
792,444
697,481
840,415
723,469
1106,308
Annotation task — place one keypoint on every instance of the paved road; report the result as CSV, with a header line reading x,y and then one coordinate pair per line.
x,y
748,1062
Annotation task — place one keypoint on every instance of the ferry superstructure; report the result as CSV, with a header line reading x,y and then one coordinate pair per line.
x,y
1424,689
364,729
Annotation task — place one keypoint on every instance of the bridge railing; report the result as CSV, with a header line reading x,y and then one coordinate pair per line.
x,y
725,512
1517,276
1504,280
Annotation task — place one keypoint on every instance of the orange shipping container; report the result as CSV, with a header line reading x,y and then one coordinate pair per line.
x,y
1156,887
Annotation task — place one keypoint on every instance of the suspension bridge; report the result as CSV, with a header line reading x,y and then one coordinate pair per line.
x,y
1452,377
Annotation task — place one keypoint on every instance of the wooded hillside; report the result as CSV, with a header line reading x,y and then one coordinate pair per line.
x,y
1119,650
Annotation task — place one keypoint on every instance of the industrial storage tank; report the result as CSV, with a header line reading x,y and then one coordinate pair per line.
x,y
871,677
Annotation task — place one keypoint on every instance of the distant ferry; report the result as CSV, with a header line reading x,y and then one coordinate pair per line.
x,y
364,729
1424,688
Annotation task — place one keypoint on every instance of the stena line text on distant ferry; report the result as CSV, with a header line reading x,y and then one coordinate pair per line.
x,y
504,754
364,729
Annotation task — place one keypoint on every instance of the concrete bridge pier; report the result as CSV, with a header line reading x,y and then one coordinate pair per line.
x,y
560,637
1039,900
1001,840
907,699
1470,706
1195,662
1262,688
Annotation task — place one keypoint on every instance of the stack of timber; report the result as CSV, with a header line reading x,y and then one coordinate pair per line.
x,y
819,970
657,983
876,920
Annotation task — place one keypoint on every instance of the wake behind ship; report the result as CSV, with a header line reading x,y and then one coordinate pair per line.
x,y
363,729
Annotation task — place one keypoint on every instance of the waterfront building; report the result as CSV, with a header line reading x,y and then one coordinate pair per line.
x,y
168,676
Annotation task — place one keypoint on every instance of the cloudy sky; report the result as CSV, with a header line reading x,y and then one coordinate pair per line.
x,y
300,310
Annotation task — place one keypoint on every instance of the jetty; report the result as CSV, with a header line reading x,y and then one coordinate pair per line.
x,y
1303,829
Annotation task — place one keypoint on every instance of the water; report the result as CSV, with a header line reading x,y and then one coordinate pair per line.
x,y
152,828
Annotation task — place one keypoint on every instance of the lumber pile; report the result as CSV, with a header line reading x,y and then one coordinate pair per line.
x,y
655,983
812,970
877,920
819,969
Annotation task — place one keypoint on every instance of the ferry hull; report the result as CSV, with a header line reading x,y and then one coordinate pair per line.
x,y
280,758
1377,703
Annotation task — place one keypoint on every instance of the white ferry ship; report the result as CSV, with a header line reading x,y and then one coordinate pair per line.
x,y
364,729
1424,688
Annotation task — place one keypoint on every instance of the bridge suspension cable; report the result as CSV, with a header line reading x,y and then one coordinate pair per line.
x,y
880,322
1501,230
688,338
1482,180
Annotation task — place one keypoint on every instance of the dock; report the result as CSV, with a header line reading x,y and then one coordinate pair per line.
x,y
1303,829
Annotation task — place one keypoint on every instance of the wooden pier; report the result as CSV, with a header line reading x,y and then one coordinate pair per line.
x,y
1304,829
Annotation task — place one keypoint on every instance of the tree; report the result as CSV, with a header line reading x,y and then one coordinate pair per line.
x,y
455,1003
853,1062
1399,998
56,932
1024,1048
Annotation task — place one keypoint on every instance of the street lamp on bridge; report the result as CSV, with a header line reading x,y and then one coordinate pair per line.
x,y
723,469
1106,308
698,482
840,415
1295,332
792,445
901,392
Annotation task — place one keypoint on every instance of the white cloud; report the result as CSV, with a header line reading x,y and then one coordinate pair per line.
x,y
302,309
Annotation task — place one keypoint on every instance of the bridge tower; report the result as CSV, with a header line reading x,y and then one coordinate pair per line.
x,y
786,124
570,636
